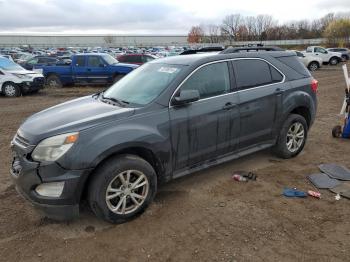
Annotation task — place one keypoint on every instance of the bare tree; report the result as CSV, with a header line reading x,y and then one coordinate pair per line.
x,y
109,39
230,26
214,33
195,35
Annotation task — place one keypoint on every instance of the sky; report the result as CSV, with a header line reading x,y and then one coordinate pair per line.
x,y
170,17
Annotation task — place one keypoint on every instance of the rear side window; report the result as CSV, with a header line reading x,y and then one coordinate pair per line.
x,y
210,80
133,59
80,61
253,73
294,63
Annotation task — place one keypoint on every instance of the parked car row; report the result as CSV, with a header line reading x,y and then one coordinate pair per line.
x,y
100,66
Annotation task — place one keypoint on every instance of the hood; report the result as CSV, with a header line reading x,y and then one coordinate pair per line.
x,y
71,116
335,53
23,72
133,66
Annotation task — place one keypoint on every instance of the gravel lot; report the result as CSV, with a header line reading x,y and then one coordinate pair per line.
x,y
203,217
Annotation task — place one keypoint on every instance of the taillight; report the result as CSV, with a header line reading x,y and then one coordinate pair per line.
x,y
314,85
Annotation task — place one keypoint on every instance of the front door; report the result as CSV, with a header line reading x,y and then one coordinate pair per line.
x,y
209,127
96,70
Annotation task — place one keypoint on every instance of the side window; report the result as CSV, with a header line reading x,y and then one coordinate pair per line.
x,y
146,58
94,61
320,50
80,61
253,73
309,50
210,80
275,75
33,61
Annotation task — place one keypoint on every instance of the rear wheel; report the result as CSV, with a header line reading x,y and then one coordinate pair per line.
x,y
122,188
292,137
334,61
11,90
53,81
313,66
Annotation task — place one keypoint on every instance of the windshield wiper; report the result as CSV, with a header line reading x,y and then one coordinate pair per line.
x,y
120,102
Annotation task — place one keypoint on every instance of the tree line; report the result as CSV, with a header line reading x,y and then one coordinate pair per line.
x,y
236,27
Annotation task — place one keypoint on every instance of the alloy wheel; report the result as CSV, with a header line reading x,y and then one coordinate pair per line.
x,y
295,137
127,192
10,90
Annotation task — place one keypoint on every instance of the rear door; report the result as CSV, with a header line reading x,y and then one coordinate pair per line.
x,y
260,89
79,69
209,127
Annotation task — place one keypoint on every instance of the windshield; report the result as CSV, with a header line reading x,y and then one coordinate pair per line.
x,y
8,65
144,84
110,60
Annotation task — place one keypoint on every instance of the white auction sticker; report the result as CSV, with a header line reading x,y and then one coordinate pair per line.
x,y
169,70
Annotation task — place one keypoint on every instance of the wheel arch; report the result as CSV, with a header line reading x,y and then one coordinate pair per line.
x,y
141,151
304,112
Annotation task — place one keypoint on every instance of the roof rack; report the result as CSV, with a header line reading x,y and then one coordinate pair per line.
x,y
203,50
251,48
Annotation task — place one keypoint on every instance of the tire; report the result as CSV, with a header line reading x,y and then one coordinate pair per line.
x,y
345,57
116,78
293,126
11,89
106,190
333,61
313,66
53,81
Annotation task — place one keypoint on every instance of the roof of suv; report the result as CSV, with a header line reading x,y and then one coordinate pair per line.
x,y
210,57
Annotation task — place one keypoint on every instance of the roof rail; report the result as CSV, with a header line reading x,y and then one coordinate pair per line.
x,y
251,48
203,50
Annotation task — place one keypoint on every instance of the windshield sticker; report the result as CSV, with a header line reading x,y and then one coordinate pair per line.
x,y
169,70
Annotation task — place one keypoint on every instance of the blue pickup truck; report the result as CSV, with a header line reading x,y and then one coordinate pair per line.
x,y
86,69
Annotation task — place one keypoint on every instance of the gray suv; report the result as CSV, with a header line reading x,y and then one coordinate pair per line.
x,y
168,118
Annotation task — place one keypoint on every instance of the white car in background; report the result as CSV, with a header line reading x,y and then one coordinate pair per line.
x,y
328,57
312,62
15,80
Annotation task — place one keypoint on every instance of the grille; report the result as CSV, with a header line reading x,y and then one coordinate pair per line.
x,y
38,80
21,140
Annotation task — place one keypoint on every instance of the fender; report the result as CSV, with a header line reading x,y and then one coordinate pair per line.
x,y
292,101
150,132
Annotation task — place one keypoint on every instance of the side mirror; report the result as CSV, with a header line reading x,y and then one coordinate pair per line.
x,y
326,52
102,65
185,97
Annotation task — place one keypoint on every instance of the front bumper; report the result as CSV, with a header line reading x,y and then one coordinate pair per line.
x,y
27,175
36,84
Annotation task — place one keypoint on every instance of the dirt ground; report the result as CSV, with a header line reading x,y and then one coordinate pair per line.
x,y
203,217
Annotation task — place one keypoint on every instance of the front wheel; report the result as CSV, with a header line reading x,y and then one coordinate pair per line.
x,y
53,81
122,188
11,90
292,137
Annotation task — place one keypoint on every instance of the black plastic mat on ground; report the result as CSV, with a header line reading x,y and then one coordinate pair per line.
x,y
323,181
343,189
336,171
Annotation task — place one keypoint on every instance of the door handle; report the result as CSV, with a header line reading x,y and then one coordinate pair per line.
x,y
278,91
228,106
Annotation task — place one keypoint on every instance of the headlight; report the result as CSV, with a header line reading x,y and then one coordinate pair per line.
x,y
52,148
21,76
